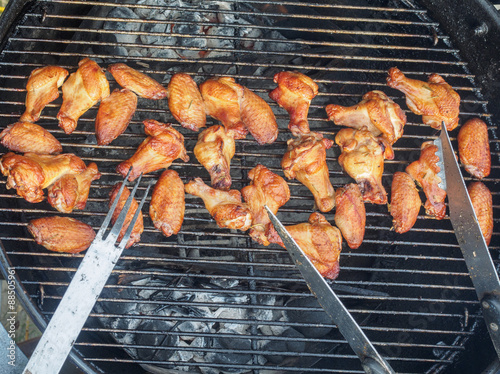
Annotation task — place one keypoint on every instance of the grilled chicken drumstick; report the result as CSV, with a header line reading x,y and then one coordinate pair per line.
x,y
62,234
135,235
350,214
305,159
320,241
71,191
482,201
474,148
163,145
82,90
435,100
31,173
137,82
29,137
222,103
424,172
362,158
185,102
224,206
42,88
214,150
266,188
167,203
294,94
114,115
405,202
377,112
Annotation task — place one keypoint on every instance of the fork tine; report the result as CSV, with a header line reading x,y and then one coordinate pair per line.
x,y
130,227
115,230
107,219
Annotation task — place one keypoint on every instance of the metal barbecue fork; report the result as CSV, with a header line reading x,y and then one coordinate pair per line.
x,y
84,289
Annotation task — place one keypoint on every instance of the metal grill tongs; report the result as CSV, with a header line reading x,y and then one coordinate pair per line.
x,y
84,289
371,360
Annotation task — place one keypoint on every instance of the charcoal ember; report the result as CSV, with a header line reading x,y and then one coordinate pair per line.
x,y
118,38
229,358
151,30
308,317
293,344
148,338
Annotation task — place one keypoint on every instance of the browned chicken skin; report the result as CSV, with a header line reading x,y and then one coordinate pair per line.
x,y
31,173
320,241
257,116
266,188
224,206
140,83
42,88
222,103
167,203
294,94
82,90
29,137
62,234
185,102
214,150
135,236
163,145
405,202
474,148
424,172
482,201
305,159
377,112
71,191
435,100
363,159
350,214
114,115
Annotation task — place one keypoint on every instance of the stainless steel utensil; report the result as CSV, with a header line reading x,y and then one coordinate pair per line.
x,y
83,291
371,360
469,236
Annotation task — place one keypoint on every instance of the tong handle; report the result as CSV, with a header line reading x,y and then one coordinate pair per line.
x,y
490,303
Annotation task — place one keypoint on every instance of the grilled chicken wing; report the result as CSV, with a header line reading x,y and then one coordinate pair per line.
x,y
214,150
266,188
294,94
435,100
29,137
482,201
140,83
163,145
185,102
474,148
114,115
405,202
167,203
31,173
305,160
424,172
350,214
363,159
257,116
71,191
62,234
222,103
377,112
82,90
135,236
42,88
320,241
224,206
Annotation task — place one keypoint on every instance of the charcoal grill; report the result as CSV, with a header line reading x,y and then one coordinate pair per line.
x,y
210,300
